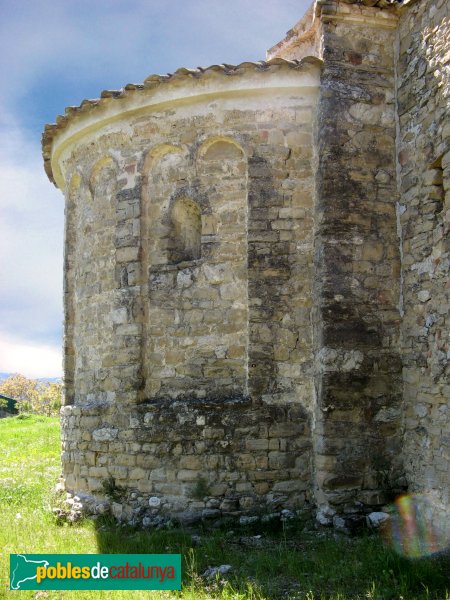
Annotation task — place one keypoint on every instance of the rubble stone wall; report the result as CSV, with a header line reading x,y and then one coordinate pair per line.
x,y
196,304
358,378
357,413
189,249
423,100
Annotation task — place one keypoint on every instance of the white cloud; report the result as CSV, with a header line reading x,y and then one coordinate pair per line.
x,y
31,360
31,216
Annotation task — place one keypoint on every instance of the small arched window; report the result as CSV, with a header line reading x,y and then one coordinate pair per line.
x,y
185,231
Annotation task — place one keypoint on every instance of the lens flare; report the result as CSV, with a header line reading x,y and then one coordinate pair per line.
x,y
413,529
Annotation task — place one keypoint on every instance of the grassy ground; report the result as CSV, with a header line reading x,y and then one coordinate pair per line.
x,y
287,563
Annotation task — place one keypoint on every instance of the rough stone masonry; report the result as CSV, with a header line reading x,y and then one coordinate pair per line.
x,y
256,275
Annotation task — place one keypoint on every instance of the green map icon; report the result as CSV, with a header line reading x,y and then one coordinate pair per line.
x,y
23,569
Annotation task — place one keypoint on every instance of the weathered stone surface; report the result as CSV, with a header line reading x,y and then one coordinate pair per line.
x,y
423,89
357,366
254,251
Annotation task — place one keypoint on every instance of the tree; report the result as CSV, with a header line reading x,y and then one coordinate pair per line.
x,y
21,389
49,398
32,395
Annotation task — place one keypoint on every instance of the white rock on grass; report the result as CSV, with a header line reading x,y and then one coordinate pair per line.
x,y
248,520
211,572
375,519
324,515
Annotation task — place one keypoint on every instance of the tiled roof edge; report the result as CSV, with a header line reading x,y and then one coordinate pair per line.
x,y
376,3
151,82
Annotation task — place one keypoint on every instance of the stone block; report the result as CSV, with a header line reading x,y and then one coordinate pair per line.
x,y
257,445
188,475
190,462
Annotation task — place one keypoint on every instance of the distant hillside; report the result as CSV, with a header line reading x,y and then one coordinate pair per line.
x,y
4,376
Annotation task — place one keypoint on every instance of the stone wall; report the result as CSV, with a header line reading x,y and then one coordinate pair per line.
x,y
357,413
192,456
91,293
423,100
256,274
189,249
196,304
357,436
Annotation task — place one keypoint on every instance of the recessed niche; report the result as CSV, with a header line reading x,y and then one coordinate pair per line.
x,y
185,231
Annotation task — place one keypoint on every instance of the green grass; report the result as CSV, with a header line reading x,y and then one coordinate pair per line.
x,y
290,563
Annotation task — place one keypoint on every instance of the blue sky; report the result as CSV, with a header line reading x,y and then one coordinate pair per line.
x,y
54,54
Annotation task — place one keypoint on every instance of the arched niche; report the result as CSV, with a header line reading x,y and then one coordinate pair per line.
x,y
185,234
221,168
221,157
197,298
103,178
165,169
219,148
95,275
97,219
74,185
162,162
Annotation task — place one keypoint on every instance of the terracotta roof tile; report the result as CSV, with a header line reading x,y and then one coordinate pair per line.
x,y
378,3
